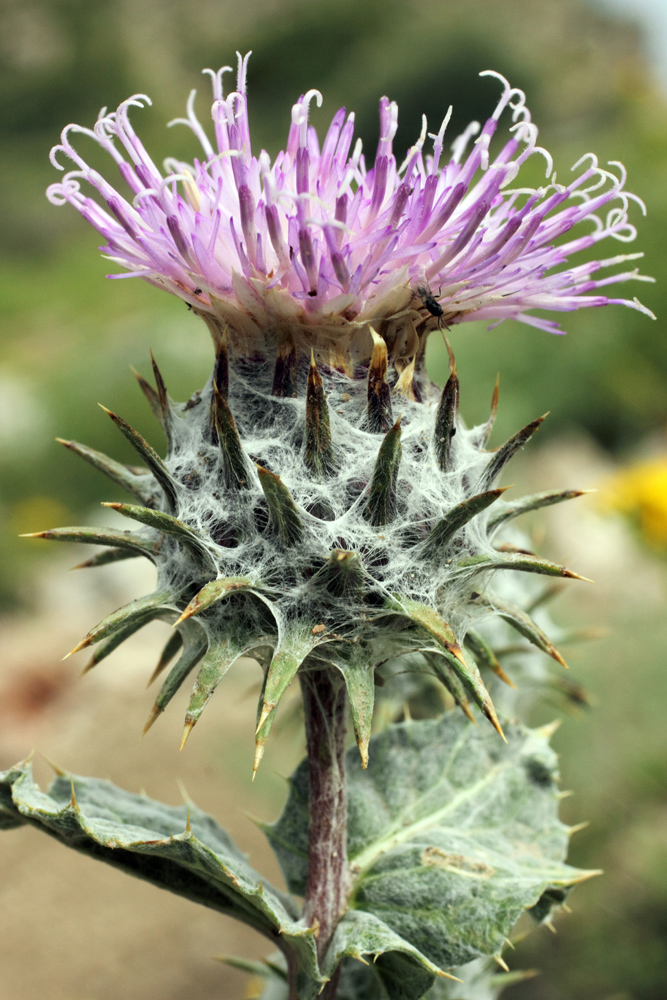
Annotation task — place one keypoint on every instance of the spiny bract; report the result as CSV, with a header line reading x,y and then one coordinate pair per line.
x,y
306,515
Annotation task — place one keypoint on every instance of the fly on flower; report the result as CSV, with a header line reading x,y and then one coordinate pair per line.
x,y
330,244
432,305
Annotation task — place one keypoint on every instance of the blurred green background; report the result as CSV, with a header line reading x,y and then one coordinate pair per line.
x,y
69,336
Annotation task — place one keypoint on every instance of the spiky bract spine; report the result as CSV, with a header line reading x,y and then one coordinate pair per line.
x,y
311,515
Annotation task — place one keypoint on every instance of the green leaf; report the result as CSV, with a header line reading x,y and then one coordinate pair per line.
x,y
235,464
130,541
181,849
150,457
195,643
284,518
141,611
484,655
481,980
138,485
105,557
355,663
534,502
521,621
115,640
318,449
451,836
296,640
214,591
507,451
513,560
404,972
455,519
448,678
435,627
445,420
161,521
381,505
238,635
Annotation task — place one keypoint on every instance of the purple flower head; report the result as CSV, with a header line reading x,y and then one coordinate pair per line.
x,y
321,241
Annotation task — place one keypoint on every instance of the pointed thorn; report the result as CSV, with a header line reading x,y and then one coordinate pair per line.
x,y
28,759
73,803
501,962
494,398
467,711
189,726
585,875
577,827
88,667
54,767
184,793
501,675
259,823
155,711
85,642
156,673
259,753
450,352
559,659
447,975
550,728
490,713
267,708
188,828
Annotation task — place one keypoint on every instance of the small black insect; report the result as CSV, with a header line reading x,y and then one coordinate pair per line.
x,y
432,304
197,291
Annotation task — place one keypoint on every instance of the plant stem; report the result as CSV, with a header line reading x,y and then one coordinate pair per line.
x,y
324,700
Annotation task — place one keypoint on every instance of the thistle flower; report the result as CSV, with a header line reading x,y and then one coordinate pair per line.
x,y
323,510
321,506
320,242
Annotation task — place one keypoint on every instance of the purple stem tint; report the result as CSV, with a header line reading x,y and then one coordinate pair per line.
x,y
324,700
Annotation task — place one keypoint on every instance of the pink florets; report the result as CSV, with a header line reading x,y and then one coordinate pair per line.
x,y
318,240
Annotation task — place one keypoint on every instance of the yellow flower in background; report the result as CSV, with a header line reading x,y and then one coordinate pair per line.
x,y
640,492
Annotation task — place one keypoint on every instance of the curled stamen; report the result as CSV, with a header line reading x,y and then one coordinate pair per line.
x,y
216,80
242,71
193,123
582,159
438,139
300,113
310,225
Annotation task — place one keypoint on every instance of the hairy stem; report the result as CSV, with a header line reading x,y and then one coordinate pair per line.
x,y
324,700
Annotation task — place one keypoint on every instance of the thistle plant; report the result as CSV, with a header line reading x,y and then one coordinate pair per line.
x,y
323,510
